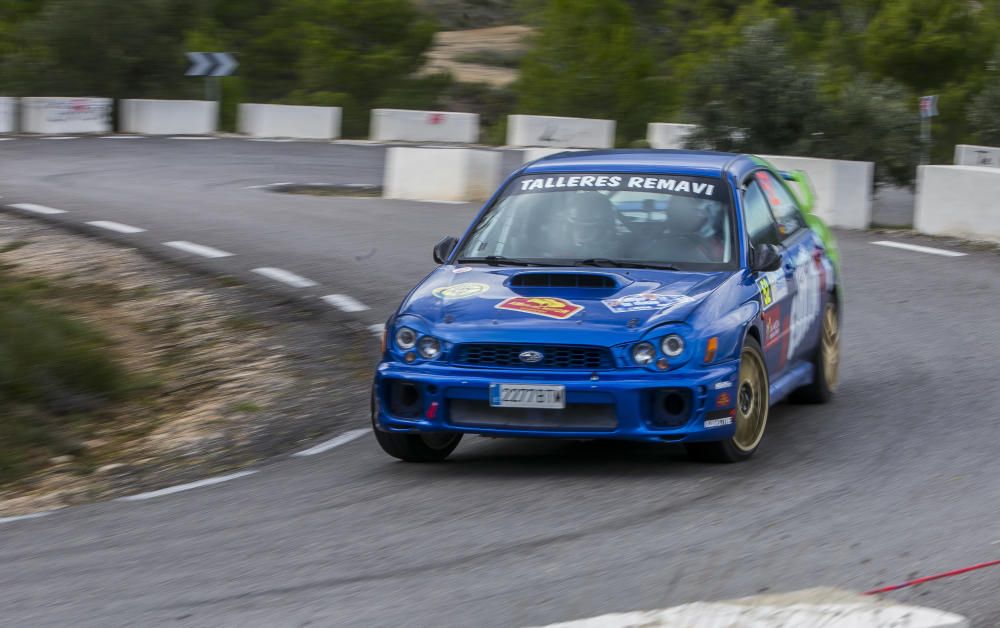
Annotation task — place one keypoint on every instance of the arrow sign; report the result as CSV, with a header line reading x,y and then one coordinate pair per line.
x,y
211,64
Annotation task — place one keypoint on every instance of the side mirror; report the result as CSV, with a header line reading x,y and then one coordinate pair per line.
x,y
443,249
766,258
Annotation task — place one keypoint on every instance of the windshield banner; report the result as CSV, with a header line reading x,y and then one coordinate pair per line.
x,y
665,184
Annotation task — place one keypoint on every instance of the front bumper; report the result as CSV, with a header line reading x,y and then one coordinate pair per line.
x,y
444,398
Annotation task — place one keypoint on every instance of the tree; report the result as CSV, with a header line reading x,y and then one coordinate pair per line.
x,y
587,60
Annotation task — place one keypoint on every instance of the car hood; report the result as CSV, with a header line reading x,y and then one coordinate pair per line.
x,y
567,305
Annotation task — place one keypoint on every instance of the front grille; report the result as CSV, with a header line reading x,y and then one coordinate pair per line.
x,y
578,417
554,356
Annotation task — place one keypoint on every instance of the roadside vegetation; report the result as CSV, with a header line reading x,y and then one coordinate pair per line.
x,y
58,375
835,78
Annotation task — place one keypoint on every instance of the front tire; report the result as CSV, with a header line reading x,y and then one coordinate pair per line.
x,y
430,447
753,402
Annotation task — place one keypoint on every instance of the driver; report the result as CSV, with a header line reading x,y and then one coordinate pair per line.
x,y
590,228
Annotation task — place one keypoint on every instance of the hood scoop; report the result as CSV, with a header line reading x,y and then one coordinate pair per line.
x,y
564,280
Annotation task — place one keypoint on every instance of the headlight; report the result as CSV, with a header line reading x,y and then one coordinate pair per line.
x,y
643,353
430,348
406,338
672,345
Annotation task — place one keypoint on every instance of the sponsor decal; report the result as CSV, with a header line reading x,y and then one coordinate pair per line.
x,y
664,184
549,307
773,288
460,290
772,328
719,419
722,385
644,301
461,269
805,303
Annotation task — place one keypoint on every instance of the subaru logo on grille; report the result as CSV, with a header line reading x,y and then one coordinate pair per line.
x,y
531,357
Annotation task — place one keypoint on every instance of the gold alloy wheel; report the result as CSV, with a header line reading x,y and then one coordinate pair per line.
x,y
831,347
751,402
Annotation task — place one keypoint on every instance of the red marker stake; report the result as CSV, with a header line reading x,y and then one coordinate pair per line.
x,y
946,574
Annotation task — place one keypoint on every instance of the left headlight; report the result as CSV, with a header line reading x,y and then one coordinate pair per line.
x,y
672,345
429,347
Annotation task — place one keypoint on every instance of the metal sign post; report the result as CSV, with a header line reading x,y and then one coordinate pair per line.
x,y
928,109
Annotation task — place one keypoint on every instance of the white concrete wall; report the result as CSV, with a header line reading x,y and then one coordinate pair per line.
x,y
667,135
441,174
61,116
557,131
311,123
969,155
8,111
169,117
960,201
843,188
389,125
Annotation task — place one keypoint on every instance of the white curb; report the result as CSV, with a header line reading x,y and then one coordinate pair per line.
x,y
830,608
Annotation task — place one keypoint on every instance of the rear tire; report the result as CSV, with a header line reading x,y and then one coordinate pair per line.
x,y
752,405
430,447
826,361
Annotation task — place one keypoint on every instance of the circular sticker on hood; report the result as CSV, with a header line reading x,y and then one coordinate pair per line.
x,y
460,290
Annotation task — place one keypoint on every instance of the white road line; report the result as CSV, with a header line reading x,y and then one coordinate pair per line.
x,y
122,137
919,249
446,202
38,209
115,226
286,277
271,139
192,137
345,303
377,329
7,139
59,137
186,487
34,515
197,249
343,439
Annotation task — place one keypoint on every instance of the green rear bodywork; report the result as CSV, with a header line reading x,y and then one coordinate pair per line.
x,y
803,193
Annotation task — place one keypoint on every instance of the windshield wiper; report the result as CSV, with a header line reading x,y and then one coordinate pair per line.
x,y
500,260
617,263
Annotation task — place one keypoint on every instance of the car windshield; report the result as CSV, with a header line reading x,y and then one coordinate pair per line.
x,y
607,219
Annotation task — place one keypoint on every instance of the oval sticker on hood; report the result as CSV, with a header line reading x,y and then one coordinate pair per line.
x,y
644,301
460,290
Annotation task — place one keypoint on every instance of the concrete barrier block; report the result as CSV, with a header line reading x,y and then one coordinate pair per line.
x,y
667,135
441,174
310,123
62,116
405,125
558,131
8,110
969,155
959,201
843,188
169,117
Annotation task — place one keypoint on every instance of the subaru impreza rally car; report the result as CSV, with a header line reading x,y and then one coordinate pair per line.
x,y
664,296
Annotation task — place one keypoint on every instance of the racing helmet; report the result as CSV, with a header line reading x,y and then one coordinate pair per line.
x,y
591,218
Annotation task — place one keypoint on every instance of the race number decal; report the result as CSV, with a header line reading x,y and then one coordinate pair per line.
x,y
773,288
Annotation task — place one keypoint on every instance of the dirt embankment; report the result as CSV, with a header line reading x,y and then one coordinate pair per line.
x,y
479,55
223,376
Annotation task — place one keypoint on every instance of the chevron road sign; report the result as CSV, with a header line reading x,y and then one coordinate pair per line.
x,y
211,64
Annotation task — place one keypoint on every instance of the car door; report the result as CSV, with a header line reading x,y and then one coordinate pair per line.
x,y
800,324
776,288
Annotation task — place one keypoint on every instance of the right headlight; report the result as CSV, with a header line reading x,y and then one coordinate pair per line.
x,y
672,345
406,338
643,353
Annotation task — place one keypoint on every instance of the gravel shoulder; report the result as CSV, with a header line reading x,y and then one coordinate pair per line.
x,y
232,376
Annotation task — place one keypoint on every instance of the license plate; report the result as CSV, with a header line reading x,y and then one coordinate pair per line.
x,y
527,396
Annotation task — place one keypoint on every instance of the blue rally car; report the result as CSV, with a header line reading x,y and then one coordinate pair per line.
x,y
662,296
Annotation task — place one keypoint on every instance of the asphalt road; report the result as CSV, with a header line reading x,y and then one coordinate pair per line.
x,y
896,478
